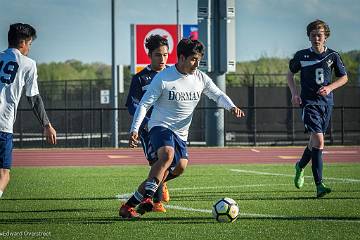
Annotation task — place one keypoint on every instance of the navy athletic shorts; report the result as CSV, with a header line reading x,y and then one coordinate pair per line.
x,y
149,151
316,118
6,146
161,136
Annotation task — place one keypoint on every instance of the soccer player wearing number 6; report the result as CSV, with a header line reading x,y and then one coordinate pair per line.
x,y
16,72
174,94
316,99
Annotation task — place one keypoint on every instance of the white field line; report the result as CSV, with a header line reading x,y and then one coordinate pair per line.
x,y
256,215
209,211
340,152
255,150
125,196
289,175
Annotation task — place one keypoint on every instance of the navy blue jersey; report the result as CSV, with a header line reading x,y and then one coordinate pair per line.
x,y
138,87
315,72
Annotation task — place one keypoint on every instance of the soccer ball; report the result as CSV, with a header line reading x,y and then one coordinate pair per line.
x,y
225,210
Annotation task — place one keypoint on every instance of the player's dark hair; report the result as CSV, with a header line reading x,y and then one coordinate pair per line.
x,y
155,41
317,24
188,47
19,32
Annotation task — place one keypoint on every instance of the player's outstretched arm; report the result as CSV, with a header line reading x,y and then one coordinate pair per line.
x,y
237,112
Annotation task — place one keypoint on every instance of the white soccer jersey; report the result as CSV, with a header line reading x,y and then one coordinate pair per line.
x,y
16,71
175,96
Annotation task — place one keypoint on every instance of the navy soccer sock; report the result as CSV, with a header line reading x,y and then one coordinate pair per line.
x,y
135,199
306,157
158,194
150,187
317,165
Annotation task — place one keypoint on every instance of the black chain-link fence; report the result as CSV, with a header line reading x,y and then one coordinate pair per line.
x,y
81,120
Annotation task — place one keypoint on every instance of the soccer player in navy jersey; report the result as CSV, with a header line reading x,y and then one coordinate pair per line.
x,y
158,51
17,71
174,94
316,65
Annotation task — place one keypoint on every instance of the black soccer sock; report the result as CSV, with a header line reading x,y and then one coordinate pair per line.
x,y
170,176
135,199
306,157
317,164
158,194
150,187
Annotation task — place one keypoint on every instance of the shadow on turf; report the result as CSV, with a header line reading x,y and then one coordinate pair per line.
x,y
209,196
103,220
165,220
250,197
303,218
59,199
69,210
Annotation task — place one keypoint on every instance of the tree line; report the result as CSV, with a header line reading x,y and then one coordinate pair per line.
x,y
269,71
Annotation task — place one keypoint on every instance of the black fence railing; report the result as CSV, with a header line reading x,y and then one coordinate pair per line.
x,y
276,126
82,120
86,93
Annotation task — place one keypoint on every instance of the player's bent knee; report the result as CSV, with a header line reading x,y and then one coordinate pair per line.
x,y
166,153
5,175
180,168
317,140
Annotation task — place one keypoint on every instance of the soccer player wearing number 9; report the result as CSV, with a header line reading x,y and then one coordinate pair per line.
x,y
316,99
16,72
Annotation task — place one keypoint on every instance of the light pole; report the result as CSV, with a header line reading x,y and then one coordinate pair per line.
x,y
177,20
114,89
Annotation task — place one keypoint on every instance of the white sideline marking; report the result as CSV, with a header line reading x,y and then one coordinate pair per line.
x,y
127,195
256,215
117,156
209,211
340,152
255,150
289,175
187,209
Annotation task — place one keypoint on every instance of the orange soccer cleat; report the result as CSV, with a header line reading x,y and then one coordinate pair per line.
x,y
165,195
127,212
145,206
159,207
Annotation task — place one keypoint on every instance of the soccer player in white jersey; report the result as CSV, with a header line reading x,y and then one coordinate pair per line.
x,y
174,94
16,72
316,65
158,48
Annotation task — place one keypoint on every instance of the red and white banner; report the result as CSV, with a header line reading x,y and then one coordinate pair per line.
x,y
144,31
139,33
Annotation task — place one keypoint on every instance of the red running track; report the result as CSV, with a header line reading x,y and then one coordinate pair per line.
x,y
127,156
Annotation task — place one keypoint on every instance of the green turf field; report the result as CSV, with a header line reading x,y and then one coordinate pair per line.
x,y
80,203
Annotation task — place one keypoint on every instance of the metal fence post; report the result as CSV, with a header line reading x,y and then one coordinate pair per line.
x,y
331,132
91,113
21,129
292,126
101,127
254,110
66,128
342,125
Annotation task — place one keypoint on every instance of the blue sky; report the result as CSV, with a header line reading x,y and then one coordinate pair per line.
x,y
81,29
